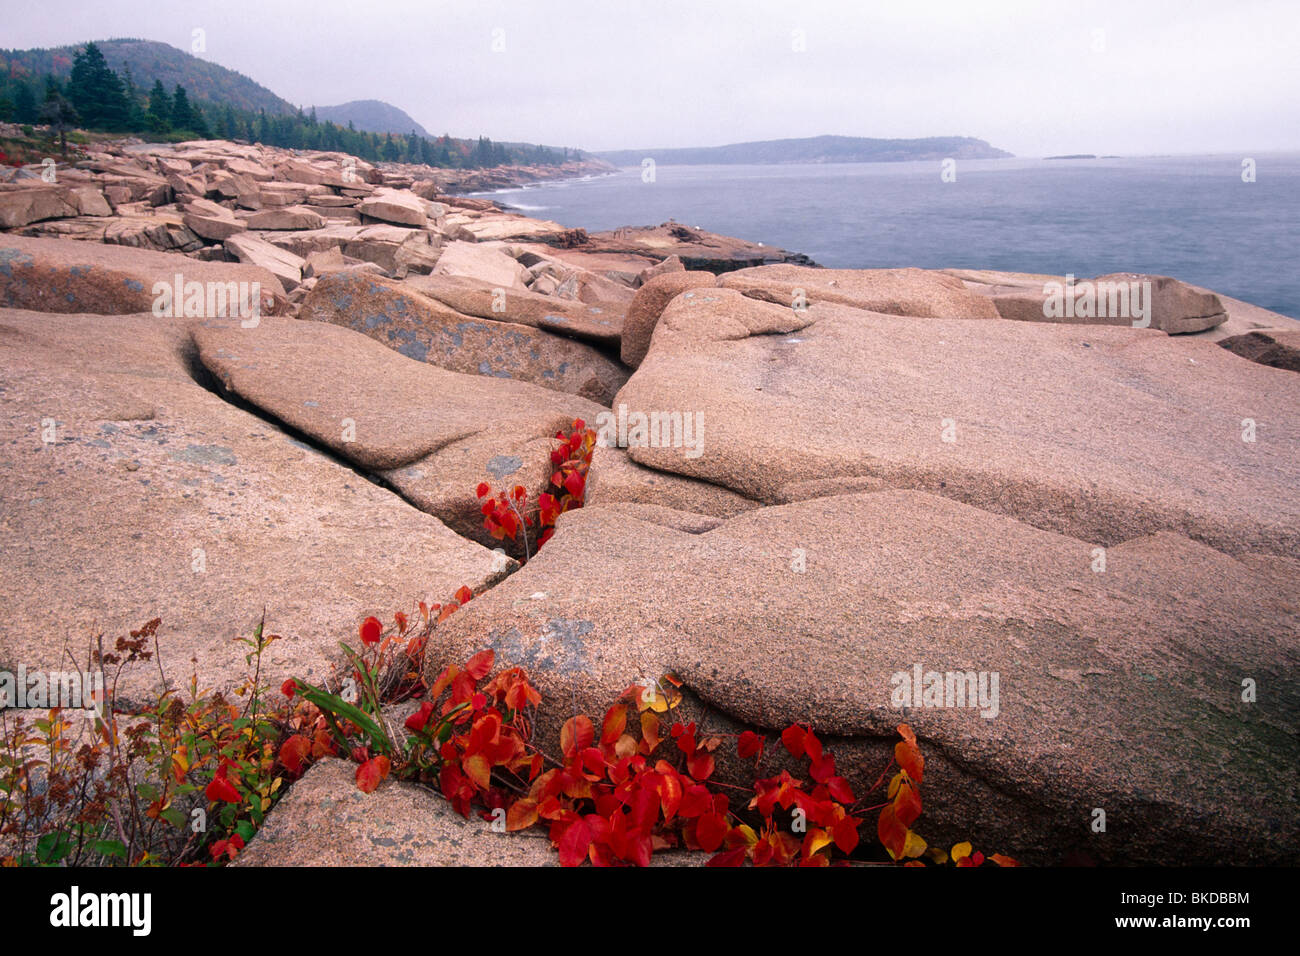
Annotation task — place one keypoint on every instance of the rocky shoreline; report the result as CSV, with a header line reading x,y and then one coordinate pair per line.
x,y
851,473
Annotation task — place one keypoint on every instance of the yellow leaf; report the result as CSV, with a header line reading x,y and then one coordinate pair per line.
x,y
816,840
750,836
960,851
936,853
914,846
896,782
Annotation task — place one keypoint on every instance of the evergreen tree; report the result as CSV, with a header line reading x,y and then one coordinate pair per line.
x,y
25,109
159,116
135,112
199,123
96,91
182,114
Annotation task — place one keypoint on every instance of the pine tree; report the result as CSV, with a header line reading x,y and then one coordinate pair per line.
x,y
25,109
182,114
96,91
159,116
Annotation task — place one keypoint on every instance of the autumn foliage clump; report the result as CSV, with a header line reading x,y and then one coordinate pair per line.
x,y
639,782
510,515
642,780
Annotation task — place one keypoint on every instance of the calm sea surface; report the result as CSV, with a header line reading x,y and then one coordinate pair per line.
x,y
1191,217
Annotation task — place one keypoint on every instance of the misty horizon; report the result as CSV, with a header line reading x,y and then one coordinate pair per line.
x,y
1036,80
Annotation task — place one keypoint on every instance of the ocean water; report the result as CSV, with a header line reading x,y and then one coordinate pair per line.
x,y
1191,217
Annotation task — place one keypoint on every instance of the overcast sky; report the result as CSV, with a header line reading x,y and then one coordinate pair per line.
x,y
1036,77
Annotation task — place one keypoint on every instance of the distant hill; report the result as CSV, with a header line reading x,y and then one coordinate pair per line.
x,y
816,149
149,60
372,116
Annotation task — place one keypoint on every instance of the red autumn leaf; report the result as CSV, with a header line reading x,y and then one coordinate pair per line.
x,y
891,832
372,772
1002,860
418,720
574,842
614,725
793,737
294,751
907,804
710,830
371,629
734,857
909,758
574,484
750,744
221,789
839,789
845,834
700,766
480,664
289,688
521,814
464,595
649,731
482,490
695,801
576,735
479,769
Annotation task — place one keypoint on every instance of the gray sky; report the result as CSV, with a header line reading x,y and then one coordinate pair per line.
x,y
1045,77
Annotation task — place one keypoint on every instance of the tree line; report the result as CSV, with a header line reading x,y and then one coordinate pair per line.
x,y
95,97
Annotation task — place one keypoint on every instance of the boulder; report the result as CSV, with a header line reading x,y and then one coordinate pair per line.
x,y
319,263
211,220
484,263
696,248
1098,432
325,820
26,204
1176,307
53,275
286,217
916,292
287,194
395,206
132,491
491,226
564,317
281,263
248,169
1171,306
447,433
671,264
392,248
1120,689
1279,348
426,330
649,303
